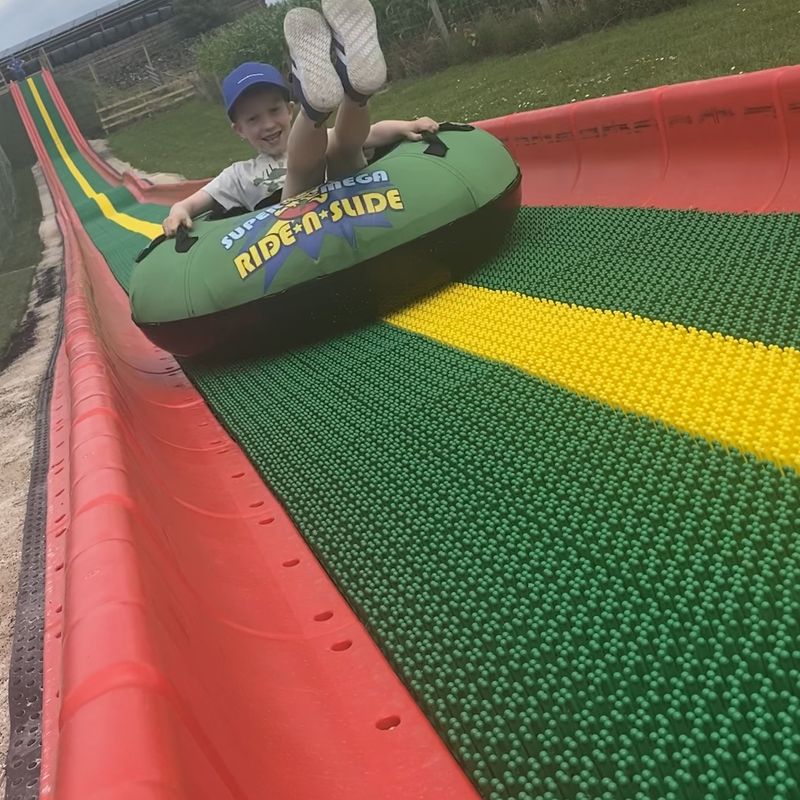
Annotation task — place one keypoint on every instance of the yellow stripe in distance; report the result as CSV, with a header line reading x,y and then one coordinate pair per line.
x,y
732,391
148,229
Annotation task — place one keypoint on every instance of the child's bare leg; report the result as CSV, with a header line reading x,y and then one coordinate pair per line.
x,y
305,160
346,146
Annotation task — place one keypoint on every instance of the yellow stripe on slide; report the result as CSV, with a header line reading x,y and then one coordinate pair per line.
x,y
732,391
148,229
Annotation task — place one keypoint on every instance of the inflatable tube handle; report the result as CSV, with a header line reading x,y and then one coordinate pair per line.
x,y
436,147
183,243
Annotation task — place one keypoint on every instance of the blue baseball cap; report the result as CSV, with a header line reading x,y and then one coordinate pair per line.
x,y
251,73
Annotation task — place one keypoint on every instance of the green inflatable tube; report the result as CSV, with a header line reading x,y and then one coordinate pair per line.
x,y
417,218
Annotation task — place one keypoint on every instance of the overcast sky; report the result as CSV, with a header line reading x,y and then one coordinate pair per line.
x,y
22,19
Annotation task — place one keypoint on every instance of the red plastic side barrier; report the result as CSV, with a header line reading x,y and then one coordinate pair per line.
x,y
726,144
204,652
143,191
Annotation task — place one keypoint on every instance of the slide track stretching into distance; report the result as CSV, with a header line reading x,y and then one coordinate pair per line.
x,y
533,536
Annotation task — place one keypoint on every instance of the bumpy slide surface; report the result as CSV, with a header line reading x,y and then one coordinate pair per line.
x,y
560,500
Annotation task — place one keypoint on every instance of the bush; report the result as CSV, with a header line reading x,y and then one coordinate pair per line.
x,y
257,36
79,96
13,137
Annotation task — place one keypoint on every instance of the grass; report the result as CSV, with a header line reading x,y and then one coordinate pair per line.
x,y
706,39
20,257
195,139
712,38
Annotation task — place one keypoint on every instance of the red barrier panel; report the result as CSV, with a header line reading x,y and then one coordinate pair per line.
x,y
194,646
143,191
726,144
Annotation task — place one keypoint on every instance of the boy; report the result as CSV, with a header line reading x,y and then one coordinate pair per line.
x,y
17,68
293,158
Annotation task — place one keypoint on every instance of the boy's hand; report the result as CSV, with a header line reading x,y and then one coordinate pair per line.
x,y
413,129
177,216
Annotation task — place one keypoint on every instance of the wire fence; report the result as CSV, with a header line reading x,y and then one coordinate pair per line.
x,y
418,36
403,19
422,36
139,67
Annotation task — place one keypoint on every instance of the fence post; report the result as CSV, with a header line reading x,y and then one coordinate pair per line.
x,y
44,60
439,20
155,77
94,73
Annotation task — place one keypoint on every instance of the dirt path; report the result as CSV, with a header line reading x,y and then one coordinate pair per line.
x,y
19,388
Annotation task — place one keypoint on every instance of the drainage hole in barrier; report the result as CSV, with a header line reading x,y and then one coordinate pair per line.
x,y
216,442
257,504
388,723
292,563
61,532
61,518
323,616
238,475
223,451
266,521
58,635
340,647
59,609
59,567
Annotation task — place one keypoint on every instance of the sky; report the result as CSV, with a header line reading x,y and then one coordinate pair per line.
x,y
22,19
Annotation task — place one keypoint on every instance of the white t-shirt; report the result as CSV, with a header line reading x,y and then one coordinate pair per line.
x,y
247,183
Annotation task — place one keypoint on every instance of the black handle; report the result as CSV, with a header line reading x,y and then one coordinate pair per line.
x,y
436,147
183,243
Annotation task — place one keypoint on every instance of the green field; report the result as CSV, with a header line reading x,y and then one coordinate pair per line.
x,y
717,37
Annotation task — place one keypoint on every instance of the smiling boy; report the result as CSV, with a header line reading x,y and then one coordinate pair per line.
x,y
292,158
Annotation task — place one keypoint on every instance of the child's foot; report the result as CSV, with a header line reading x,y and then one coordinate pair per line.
x,y
357,53
314,80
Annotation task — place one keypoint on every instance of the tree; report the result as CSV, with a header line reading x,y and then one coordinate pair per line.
x,y
198,16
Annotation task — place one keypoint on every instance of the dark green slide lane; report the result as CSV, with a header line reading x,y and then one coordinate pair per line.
x,y
587,604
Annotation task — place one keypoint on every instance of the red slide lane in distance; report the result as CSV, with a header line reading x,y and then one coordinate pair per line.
x,y
725,144
143,191
204,652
